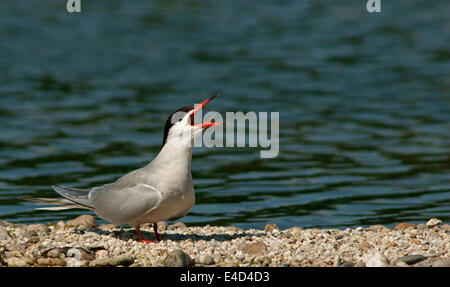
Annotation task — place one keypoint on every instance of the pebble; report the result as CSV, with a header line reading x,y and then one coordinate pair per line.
x,y
6,223
271,228
41,228
61,224
401,264
222,246
255,248
51,262
30,233
101,253
162,225
337,260
404,225
410,259
4,234
80,254
107,226
421,226
347,264
441,263
114,261
17,262
206,259
376,227
375,259
178,258
83,221
365,246
178,225
57,252
433,222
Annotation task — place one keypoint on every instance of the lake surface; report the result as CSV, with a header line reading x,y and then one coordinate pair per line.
x,y
364,103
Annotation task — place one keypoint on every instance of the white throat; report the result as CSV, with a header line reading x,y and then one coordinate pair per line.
x,y
174,158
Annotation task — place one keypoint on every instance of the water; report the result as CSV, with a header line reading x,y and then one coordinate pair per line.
x,y
363,99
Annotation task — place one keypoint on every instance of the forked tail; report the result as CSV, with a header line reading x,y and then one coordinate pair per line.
x,y
73,198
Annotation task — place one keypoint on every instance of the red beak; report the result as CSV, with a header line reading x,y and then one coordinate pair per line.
x,y
199,107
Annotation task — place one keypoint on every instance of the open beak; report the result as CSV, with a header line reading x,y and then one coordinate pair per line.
x,y
208,123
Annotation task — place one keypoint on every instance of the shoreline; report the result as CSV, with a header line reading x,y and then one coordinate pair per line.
x,y
80,242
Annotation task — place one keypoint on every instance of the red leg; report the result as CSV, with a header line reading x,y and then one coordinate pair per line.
x,y
155,229
142,238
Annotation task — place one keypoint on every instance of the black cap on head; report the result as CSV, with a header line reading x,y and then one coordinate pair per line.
x,y
170,121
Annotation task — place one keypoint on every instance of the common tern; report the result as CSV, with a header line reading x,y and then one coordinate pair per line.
x,y
161,190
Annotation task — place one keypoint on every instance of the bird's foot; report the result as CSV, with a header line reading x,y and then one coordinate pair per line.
x,y
148,241
155,228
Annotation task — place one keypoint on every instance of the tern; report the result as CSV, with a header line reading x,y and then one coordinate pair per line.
x,y
161,190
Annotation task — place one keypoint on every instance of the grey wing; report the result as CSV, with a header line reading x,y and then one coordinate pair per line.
x,y
120,206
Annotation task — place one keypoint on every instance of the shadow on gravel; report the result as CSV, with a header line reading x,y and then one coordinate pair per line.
x,y
127,234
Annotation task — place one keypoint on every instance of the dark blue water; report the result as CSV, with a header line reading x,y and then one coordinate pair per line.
x,y
364,103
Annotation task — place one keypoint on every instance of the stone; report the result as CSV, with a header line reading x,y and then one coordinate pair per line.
x,y
178,225
178,258
57,252
115,261
445,227
17,262
4,234
91,234
441,263
404,225
80,254
162,225
72,262
295,230
41,228
240,256
375,259
51,262
339,237
376,227
433,222
30,233
83,221
365,246
255,248
421,226
410,259
346,264
206,259
61,224
5,223
337,261
401,264
228,264
14,253
107,226
261,259
101,253
271,227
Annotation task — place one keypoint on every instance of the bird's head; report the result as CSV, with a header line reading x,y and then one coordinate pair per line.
x,y
180,127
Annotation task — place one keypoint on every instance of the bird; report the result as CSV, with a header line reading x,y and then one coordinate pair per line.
x,y
159,191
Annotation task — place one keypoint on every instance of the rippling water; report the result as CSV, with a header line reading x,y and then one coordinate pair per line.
x,y
363,99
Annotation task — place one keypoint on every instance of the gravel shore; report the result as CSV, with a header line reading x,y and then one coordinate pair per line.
x,y
80,242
